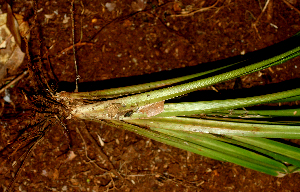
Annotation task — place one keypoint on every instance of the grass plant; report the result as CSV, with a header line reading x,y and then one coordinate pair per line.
x,y
222,129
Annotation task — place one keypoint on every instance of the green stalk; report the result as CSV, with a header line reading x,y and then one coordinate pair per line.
x,y
239,141
192,108
294,112
231,153
134,102
210,148
274,146
120,91
282,155
193,125
244,66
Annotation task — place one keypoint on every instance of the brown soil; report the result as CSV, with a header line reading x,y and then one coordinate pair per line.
x,y
125,43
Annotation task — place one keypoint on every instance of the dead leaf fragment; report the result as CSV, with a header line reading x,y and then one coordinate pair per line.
x,y
23,26
11,55
71,156
152,109
110,6
139,5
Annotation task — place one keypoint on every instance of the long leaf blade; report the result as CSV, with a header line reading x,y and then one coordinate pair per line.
x,y
193,125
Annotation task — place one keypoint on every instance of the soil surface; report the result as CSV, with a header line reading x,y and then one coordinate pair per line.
x,y
117,39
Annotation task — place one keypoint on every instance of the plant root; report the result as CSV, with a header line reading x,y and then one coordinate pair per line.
x,y
254,25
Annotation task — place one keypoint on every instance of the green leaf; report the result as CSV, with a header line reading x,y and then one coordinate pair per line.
x,y
247,129
237,140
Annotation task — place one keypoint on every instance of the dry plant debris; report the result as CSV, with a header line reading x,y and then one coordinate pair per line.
x,y
11,55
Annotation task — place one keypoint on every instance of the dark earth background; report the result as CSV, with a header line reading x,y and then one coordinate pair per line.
x,y
125,43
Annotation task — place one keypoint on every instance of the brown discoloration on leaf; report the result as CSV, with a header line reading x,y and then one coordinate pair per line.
x,y
116,110
113,110
153,108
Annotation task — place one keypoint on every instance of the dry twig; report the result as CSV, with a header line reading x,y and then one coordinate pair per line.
x,y
14,81
103,156
86,155
73,42
71,47
291,6
196,11
255,23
